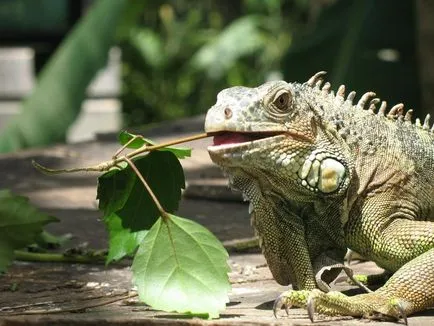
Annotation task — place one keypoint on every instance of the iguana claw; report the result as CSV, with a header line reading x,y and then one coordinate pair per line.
x,y
398,305
279,303
402,313
287,299
310,308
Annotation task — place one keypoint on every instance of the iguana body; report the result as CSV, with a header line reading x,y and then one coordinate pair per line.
x,y
322,175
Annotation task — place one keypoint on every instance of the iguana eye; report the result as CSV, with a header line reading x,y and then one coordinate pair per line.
x,y
282,100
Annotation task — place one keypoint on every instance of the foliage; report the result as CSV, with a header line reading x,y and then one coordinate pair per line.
x,y
120,191
122,241
137,193
20,225
56,99
175,63
181,266
356,56
125,137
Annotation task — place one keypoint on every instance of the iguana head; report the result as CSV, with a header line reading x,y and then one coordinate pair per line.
x,y
275,132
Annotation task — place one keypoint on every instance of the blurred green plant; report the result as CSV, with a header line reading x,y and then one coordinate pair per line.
x,y
175,63
56,100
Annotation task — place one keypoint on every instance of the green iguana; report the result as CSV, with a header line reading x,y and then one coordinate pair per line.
x,y
323,174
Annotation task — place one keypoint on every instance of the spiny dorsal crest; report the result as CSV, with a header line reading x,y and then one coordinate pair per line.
x,y
368,101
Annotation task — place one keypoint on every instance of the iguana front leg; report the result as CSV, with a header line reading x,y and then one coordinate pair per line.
x,y
409,290
396,242
283,240
283,244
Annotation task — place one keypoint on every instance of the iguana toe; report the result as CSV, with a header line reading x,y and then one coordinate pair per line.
x,y
369,305
290,298
279,303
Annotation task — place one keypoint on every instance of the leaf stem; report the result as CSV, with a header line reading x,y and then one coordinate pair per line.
x,y
163,213
169,143
104,166
58,257
120,150
107,165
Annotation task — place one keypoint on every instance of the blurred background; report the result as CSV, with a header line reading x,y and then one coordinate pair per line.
x,y
70,69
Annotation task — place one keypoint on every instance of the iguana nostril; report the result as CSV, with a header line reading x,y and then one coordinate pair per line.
x,y
228,113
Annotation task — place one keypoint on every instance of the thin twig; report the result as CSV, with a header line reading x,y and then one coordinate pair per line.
x,y
107,165
101,167
151,193
70,309
169,143
5,309
120,150
54,257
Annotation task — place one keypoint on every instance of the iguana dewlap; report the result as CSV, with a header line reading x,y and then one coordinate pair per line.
x,y
324,174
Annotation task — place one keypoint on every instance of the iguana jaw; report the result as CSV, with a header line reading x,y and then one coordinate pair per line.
x,y
229,141
239,138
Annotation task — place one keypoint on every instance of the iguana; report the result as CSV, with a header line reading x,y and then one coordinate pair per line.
x,y
324,174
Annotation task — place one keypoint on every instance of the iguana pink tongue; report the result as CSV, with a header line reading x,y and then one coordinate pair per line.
x,y
232,138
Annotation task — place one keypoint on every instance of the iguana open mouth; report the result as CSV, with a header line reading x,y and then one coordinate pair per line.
x,y
230,137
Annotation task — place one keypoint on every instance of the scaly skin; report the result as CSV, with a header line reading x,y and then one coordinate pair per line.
x,y
322,175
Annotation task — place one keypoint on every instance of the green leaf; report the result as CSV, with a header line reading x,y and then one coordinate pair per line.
x,y
124,137
164,175
20,224
47,240
114,187
122,192
122,242
56,100
184,269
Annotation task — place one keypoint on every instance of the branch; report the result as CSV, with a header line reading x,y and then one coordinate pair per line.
x,y
125,296
169,143
107,165
54,257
